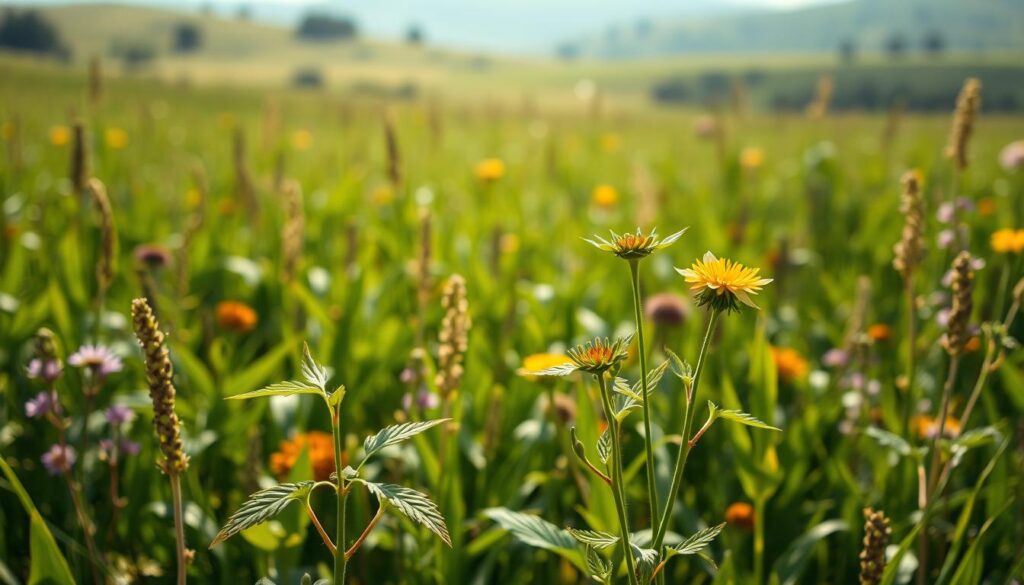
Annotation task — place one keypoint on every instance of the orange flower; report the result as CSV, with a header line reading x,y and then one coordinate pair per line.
x,y
790,364
740,515
320,446
986,206
60,135
927,427
236,316
879,332
973,344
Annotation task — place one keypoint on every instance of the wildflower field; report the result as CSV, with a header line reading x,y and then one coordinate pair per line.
x,y
295,336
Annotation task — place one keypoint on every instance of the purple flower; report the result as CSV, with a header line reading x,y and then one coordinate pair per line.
x,y
425,400
1012,156
59,459
945,212
119,415
152,255
46,370
110,451
43,403
97,358
835,358
945,239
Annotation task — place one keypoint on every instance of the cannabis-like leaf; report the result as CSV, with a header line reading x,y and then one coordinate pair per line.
x,y
396,434
413,504
262,506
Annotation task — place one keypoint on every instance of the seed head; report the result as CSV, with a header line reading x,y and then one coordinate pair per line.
x,y
159,376
967,105
957,333
454,335
876,538
907,252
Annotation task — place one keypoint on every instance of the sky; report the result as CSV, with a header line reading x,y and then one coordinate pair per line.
x,y
517,26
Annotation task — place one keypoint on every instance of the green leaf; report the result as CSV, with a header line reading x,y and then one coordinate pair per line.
x,y
336,397
604,446
261,506
599,567
653,378
791,565
647,560
532,530
594,538
415,505
396,434
280,389
47,564
740,417
313,372
698,541
890,441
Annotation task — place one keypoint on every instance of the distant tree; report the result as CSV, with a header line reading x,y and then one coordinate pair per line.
x,y
847,51
28,30
933,43
414,35
308,78
244,12
187,37
134,55
567,51
896,45
643,27
323,27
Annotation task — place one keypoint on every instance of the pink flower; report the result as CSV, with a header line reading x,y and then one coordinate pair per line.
x,y
46,370
43,403
1012,156
119,415
97,358
59,459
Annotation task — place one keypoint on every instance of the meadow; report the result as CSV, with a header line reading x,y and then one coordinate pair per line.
x,y
256,221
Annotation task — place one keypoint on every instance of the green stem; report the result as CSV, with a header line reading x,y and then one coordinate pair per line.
x,y
340,562
759,540
179,527
652,488
616,470
909,396
684,446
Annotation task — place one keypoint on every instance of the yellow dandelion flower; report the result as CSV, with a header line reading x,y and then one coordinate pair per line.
x,y
60,135
604,196
302,139
1006,241
490,170
751,158
115,138
721,282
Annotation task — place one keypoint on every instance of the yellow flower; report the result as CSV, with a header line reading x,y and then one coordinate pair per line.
x,y
382,195
539,362
751,158
60,135
604,196
722,282
490,170
193,198
610,142
115,138
509,243
789,363
927,427
634,246
1008,240
302,139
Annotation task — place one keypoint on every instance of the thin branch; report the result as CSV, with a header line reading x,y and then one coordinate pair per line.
x,y
366,532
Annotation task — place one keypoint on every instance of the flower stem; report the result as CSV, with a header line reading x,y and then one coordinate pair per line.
x,y
179,527
759,540
319,527
616,470
366,532
909,395
684,446
340,560
652,488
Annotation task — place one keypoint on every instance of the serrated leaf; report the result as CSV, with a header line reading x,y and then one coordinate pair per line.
x,y
262,506
647,560
313,372
396,434
280,389
653,378
336,397
532,530
698,541
740,417
623,405
889,440
594,538
559,370
604,446
680,368
413,504
600,568
621,385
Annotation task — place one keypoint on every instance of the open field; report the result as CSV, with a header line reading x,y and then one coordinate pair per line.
x,y
500,190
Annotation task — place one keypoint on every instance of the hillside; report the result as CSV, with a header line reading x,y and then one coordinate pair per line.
x,y
964,25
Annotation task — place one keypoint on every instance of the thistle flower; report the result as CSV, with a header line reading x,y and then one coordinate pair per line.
x,y
721,282
152,256
741,515
236,316
907,252
454,336
98,359
595,357
668,309
79,170
876,539
159,375
967,105
957,333
634,246
59,459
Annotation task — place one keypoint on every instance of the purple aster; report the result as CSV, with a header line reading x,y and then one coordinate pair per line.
x,y
118,415
46,370
97,358
40,405
59,459
111,451
835,358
